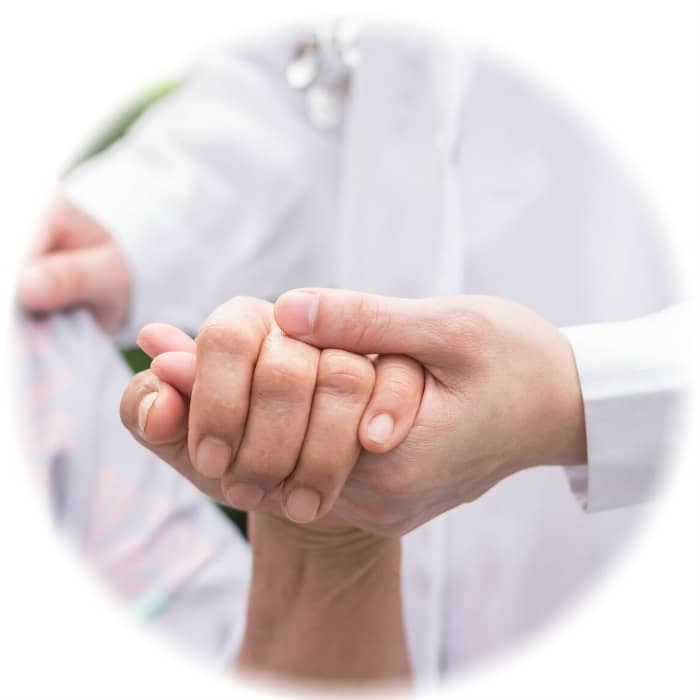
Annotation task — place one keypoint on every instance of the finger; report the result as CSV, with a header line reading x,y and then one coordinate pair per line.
x,y
46,239
396,397
65,227
62,279
156,415
331,447
157,338
364,323
280,403
227,350
177,369
154,409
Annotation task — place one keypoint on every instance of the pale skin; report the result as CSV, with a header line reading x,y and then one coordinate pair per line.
x,y
72,261
491,345
501,395
331,591
324,603
324,600
469,389
501,390
284,417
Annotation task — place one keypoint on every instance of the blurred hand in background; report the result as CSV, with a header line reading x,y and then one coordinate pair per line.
x,y
73,261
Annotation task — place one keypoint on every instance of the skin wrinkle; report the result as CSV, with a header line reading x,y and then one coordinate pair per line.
x,y
272,500
336,581
478,421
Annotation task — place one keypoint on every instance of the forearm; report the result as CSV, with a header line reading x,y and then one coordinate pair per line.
x,y
324,607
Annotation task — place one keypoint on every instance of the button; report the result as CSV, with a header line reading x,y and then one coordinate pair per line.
x,y
321,67
304,67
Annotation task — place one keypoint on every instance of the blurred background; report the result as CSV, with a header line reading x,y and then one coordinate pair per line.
x,y
61,77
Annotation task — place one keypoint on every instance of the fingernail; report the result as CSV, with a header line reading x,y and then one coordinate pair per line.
x,y
244,496
213,457
297,311
145,409
302,505
380,428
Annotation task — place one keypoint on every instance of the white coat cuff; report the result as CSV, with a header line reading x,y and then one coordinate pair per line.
x,y
634,376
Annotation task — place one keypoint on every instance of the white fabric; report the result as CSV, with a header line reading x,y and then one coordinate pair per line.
x,y
220,173
146,532
634,377
449,174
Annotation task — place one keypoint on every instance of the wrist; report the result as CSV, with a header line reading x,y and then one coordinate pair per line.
x,y
324,602
322,557
551,426
567,443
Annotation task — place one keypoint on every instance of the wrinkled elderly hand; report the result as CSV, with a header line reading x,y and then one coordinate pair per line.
x,y
259,420
75,261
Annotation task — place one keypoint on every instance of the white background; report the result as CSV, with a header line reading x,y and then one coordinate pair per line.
x,y
632,69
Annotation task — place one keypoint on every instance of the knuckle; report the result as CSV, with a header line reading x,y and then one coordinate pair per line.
x,y
396,381
213,413
373,325
282,378
345,373
218,336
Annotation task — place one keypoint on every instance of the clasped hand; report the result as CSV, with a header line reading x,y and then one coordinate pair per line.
x,y
278,408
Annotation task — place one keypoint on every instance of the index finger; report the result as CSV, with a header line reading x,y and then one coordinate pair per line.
x,y
228,345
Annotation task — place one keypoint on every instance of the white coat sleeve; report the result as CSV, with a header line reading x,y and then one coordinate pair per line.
x,y
635,379
215,190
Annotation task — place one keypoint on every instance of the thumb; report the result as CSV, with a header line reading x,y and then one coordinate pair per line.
x,y
365,323
56,280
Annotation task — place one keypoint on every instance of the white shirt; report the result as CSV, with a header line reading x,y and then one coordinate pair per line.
x,y
484,184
